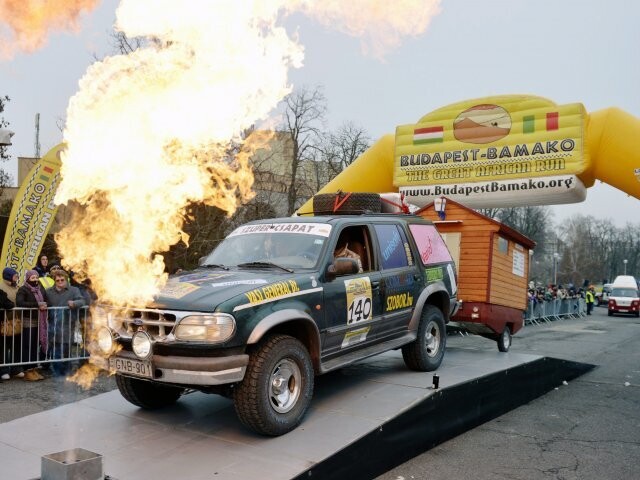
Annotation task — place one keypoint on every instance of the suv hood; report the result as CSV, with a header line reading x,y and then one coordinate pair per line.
x,y
204,290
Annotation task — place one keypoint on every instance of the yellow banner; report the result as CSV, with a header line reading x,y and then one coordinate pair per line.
x,y
32,214
493,138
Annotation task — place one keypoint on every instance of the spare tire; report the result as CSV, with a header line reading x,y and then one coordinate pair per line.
x,y
346,203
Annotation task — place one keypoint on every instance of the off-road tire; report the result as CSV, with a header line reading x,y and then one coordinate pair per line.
x,y
253,397
147,395
425,353
357,202
504,339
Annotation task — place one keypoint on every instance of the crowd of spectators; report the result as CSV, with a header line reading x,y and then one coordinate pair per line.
x,y
541,294
39,318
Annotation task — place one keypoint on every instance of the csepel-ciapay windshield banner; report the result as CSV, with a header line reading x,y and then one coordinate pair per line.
x,y
32,214
493,140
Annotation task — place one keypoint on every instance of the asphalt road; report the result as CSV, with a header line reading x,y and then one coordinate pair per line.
x,y
586,429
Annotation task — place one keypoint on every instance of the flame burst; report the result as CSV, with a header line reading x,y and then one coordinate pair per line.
x,y
380,24
148,134
28,22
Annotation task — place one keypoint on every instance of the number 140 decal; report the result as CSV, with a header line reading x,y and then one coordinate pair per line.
x,y
358,299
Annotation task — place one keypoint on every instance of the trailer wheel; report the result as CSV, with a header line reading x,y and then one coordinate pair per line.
x,y
425,353
504,340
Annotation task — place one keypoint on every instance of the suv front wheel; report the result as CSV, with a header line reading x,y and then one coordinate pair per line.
x,y
425,353
277,387
147,395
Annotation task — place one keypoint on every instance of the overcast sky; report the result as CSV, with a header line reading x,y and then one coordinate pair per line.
x,y
569,51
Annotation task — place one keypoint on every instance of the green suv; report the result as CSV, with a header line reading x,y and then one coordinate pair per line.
x,y
278,302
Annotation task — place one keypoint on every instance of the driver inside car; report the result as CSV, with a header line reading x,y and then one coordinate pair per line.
x,y
342,251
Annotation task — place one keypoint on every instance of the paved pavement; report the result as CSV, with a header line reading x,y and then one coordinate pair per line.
x,y
587,429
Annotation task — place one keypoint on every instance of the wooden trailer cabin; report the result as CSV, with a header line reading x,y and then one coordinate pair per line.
x,y
492,263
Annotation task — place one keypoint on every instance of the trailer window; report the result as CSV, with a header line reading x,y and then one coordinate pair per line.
x,y
503,245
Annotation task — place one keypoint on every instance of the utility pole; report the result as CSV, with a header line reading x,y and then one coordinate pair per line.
x,y
37,141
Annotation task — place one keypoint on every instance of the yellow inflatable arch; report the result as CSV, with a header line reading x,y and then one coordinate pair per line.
x,y
501,151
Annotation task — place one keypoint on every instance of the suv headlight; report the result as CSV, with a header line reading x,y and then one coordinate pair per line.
x,y
105,340
215,327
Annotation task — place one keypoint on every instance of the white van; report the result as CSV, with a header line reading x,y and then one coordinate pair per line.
x,y
624,297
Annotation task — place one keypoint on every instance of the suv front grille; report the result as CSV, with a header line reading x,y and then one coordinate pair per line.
x,y
158,324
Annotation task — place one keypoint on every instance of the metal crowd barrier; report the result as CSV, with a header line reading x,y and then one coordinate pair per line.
x,y
64,340
557,309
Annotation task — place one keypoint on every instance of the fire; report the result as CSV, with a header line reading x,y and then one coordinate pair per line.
x,y
28,22
380,24
148,134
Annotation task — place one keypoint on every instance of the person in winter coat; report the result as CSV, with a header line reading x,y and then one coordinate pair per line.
x,y
10,345
62,320
32,295
43,265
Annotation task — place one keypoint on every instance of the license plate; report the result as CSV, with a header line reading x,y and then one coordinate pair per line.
x,y
132,367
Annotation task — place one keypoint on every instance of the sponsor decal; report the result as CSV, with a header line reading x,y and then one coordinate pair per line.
x,y
273,291
396,302
359,303
398,282
319,229
430,244
257,281
355,336
200,278
392,245
434,274
452,279
178,289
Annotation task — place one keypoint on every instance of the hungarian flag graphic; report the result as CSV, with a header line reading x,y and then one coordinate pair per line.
x,y
428,135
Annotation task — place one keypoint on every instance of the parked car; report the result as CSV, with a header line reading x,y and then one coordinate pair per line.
x,y
272,306
602,297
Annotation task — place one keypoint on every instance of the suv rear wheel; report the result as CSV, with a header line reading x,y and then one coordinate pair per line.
x,y
277,387
425,353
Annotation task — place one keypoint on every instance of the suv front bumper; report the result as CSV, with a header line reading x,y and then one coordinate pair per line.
x,y
187,370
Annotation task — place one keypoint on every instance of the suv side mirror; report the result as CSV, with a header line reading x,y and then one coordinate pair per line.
x,y
342,266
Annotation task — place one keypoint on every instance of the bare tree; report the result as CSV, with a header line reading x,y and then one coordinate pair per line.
x,y
342,148
303,120
5,178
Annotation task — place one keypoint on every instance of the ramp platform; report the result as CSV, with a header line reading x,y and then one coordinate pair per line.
x,y
363,420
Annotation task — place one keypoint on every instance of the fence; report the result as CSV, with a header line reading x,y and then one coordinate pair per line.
x,y
557,309
25,340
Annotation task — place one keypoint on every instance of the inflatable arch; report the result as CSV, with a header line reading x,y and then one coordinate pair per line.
x,y
499,151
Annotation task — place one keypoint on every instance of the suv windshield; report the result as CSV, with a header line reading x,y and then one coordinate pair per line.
x,y
624,292
299,249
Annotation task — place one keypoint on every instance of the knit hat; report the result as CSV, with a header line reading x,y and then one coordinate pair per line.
x,y
29,273
8,273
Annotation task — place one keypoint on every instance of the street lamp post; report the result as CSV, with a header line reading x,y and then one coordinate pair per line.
x,y
555,268
625,265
